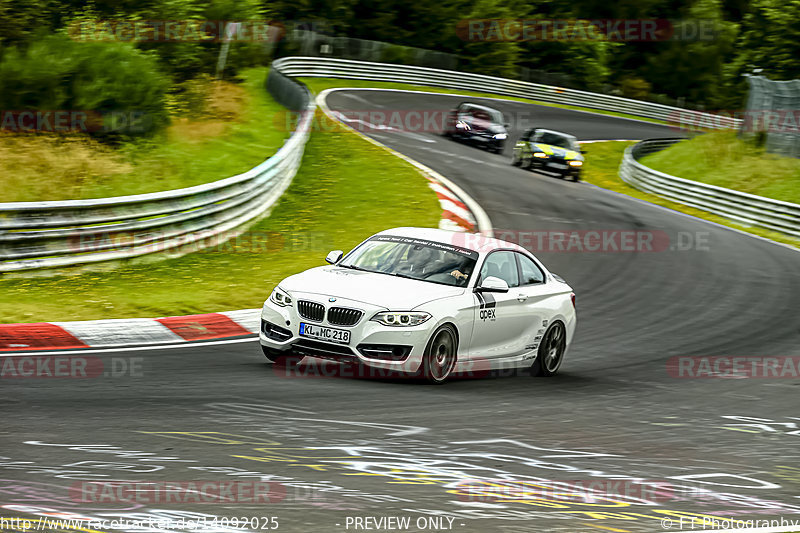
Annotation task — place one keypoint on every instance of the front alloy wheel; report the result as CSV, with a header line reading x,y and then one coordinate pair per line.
x,y
551,351
439,358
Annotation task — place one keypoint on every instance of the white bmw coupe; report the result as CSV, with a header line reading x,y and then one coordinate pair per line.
x,y
423,301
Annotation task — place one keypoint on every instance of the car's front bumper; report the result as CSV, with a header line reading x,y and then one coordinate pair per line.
x,y
559,166
371,343
480,138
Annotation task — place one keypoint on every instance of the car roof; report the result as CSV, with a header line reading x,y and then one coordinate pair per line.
x,y
479,106
557,133
471,241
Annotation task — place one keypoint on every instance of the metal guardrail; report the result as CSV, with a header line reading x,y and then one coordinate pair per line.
x,y
61,233
363,70
55,234
748,209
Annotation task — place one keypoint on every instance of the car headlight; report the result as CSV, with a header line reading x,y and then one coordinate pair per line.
x,y
540,155
462,125
280,297
500,136
402,318
575,163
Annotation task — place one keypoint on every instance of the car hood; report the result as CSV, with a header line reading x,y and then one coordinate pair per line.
x,y
556,151
382,290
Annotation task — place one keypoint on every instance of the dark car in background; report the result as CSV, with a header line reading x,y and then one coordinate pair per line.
x,y
478,124
551,151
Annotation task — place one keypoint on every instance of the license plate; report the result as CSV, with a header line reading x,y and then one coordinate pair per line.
x,y
557,165
339,336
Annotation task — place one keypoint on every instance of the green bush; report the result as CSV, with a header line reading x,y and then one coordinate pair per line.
x,y
633,87
120,86
397,54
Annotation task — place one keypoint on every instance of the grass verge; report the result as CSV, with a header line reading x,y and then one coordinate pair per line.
x,y
225,134
317,85
329,205
722,159
602,167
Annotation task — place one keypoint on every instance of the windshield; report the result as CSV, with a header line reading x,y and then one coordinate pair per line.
x,y
485,113
412,258
554,139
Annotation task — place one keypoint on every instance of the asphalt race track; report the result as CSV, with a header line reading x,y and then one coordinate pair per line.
x,y
474,455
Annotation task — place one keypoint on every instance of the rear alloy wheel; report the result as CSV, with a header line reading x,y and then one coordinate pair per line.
x,y
551,351
439,358
280,358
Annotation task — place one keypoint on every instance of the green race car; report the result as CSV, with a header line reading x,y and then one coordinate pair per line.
x,y
550,151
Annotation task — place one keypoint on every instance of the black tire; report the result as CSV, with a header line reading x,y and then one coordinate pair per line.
x,y
526,163
515,161
551,351
285,359
576,178
439,358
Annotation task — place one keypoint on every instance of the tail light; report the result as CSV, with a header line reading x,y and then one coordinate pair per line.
x,y
572,297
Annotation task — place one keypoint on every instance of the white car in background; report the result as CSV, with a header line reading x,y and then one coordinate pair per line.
x,y
425,301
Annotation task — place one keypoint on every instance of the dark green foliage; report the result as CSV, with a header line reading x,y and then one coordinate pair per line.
x,y
749,34
110,79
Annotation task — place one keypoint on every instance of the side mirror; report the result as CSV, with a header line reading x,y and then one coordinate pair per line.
x,y
492,284
506,125
334,256
584,151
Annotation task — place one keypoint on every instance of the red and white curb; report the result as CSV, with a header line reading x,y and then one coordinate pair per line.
x,y
128,331
456,216
459,213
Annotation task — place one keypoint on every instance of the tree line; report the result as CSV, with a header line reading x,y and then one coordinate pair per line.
x,y
44,66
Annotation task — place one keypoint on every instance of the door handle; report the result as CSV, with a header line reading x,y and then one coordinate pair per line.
x,y
522,297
